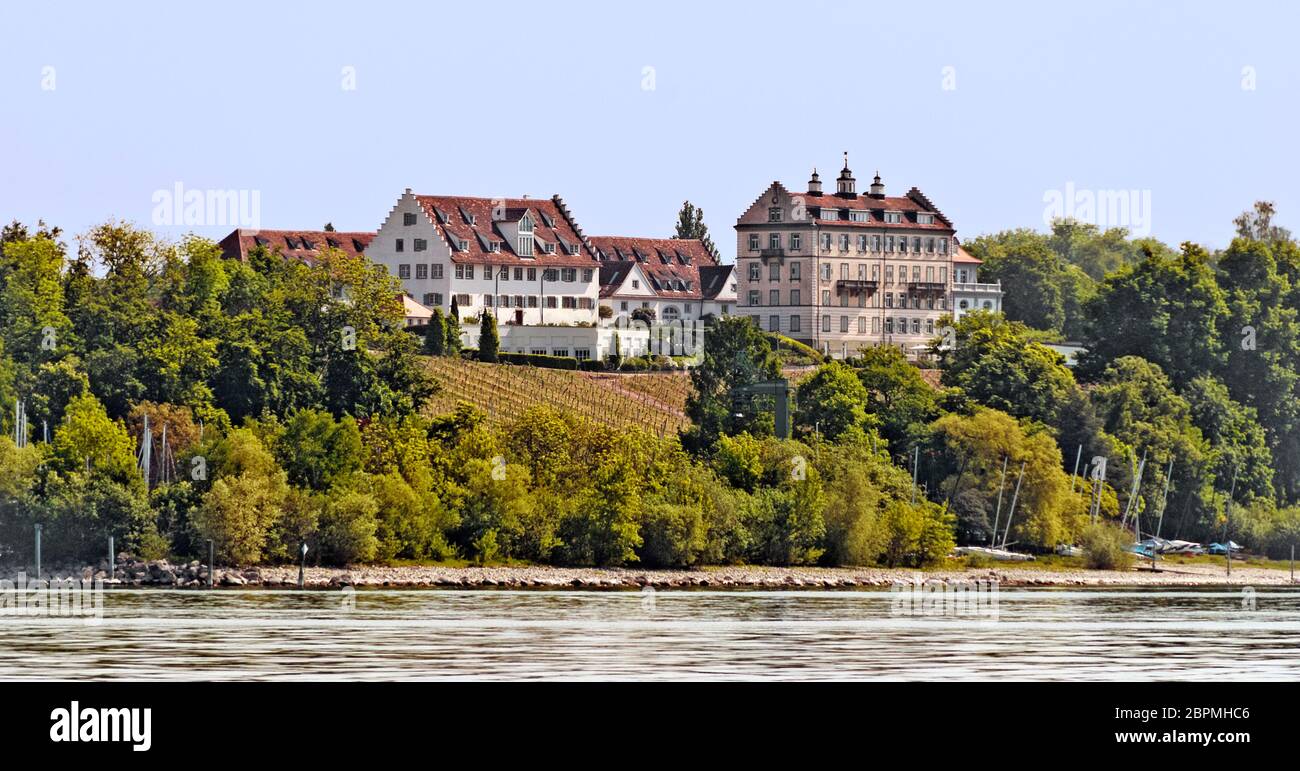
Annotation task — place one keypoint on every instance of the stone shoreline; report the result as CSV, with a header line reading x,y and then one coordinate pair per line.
x,y
193,575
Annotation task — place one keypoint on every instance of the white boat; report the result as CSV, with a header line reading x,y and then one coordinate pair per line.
x,y
997,554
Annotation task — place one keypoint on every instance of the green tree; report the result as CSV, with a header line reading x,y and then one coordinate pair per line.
x,y
736,353
831,402
435,334
488,340
690,224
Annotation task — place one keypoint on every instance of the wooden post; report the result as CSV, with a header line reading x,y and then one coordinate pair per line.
x,y
212,559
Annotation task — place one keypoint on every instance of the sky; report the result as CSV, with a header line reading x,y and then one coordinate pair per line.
x,y
1002,113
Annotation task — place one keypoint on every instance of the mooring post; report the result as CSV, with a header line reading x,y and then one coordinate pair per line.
x,y
212,561
112,561
302,567
1293,563
38,551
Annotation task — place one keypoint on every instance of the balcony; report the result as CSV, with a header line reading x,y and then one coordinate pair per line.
x,y
856,285
927,286
770,253
974,288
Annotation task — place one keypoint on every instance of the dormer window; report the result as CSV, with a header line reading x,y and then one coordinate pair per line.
x,y
893,217
462,245
859,216
494,246
574,249
550,248
525,224
925,219
546,220
830,214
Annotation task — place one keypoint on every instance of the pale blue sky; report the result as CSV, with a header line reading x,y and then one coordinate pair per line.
x,y
506,98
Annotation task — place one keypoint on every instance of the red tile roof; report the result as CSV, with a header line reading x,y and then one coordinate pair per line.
x,y
962,255
672,265
471,221
306,245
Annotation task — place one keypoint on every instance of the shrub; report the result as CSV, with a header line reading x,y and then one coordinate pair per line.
x,y
673,535
347,528
1106,547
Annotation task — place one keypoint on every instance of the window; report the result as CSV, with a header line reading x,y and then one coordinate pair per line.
x,y
753,242
774,214
532,274
773,240
753,271
844,242
916,244
460,271
929,326
889,274
826,271
916,274
462,245
794,296
796,241
844,271
774,297
826,297
916,326
830,214
421,244
893,217
862,325
569,275
437,269
844,324
623,305
826,242
404,271
753,297
462,300
862,243
943,275
586,275
875,325
943,246
550,302
902,244
929,245
422,271
532,301
401,245
826,323
519,301
408,218
889,243
469,271
582,354
564,352
569,301
794,271
929,274
774,323
889,326
794,323
889,299
636,283
875,243
537,351
925,219
487,301
859,216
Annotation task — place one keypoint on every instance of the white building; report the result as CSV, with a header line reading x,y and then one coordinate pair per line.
x,y
673,278
524,259
968,293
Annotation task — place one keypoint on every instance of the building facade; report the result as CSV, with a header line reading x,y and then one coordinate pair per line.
x,y
525,260
841,271
673,278
967,292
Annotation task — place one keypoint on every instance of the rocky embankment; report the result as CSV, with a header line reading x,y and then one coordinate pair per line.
x,y
194,575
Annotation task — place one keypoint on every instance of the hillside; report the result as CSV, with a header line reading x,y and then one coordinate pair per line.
x,y
655,401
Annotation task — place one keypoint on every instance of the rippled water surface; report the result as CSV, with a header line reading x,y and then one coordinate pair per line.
x,y
687,635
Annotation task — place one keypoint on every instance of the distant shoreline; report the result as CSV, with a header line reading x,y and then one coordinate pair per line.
x,y
161,574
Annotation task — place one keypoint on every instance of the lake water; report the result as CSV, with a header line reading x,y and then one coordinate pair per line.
x,y
687,635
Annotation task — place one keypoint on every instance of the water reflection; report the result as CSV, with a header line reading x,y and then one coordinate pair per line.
x,y
529,635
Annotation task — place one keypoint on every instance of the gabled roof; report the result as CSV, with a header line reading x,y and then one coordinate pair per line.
x,y
471,222
306,245
913,203
964,256
714,278
612,276
671,265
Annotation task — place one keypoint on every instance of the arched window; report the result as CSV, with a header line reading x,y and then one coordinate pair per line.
x,y
671,313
